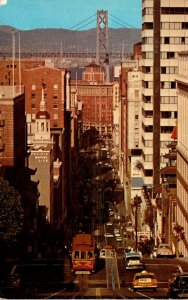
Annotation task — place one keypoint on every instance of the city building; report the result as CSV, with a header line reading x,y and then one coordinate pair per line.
x,y
130,131
97,99
12,134
41,158
164,34
12,73
55,84
182,154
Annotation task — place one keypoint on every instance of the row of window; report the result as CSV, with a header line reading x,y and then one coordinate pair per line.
x,y
149,158
33,86
33,106
164,84
163,129
164,99
174,25
166,40
95,91
163,55
33,96
149,143
164,70
166,11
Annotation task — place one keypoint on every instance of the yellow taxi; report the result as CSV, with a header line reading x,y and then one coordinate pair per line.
x,y
144,280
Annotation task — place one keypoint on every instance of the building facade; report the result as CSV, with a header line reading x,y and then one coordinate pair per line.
x,y
41,159
182,151
164,34
97,99
55,84
12,134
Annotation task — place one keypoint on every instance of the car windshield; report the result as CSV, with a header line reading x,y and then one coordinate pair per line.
x,y
133,258
145,276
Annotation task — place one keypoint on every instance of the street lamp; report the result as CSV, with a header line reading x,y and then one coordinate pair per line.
x,y
137,201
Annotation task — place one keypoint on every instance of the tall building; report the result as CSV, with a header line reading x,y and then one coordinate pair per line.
x,y
12,134
164,34
41,159
182,152
97,98
57,96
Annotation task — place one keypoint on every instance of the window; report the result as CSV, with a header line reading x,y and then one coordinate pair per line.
x,y
55,116
170,55
165,114
33,96
166,40
55,96
55,86
148,143
166,129
33,87
149,128
55,106
33,106
148,173
173,85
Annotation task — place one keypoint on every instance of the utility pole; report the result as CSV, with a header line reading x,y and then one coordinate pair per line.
x,y
137,201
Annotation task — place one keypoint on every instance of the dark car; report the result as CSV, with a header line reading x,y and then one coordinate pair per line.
x,y
11,284
178,286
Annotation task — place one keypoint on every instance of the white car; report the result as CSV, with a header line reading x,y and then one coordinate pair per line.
x,y
108,234
119,238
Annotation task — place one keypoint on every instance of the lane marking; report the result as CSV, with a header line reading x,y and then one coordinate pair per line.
x,y
98,293
54,294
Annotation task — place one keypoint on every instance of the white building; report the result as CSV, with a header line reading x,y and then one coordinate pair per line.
x,y
182,151
41,159
165,33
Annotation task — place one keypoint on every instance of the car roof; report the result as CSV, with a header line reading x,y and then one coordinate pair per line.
x,y
183,274
132,253
144,272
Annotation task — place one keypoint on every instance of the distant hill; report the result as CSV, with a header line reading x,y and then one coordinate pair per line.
x,y
55,40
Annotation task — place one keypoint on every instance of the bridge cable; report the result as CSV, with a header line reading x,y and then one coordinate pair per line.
x,y
82,22
122,22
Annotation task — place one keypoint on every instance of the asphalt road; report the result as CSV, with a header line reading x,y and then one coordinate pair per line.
x,y
94,286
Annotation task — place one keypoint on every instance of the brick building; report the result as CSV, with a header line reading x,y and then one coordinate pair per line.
x,y
55,84
7,71
97,99
12,134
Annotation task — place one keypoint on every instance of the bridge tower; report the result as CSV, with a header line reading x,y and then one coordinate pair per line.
x,y
102,51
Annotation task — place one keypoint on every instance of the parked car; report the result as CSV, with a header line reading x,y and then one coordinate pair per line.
x,y
133,261
11,285
178,286
144,280
37,272
164,250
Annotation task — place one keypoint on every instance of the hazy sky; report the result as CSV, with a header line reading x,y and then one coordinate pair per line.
x,y
69,14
